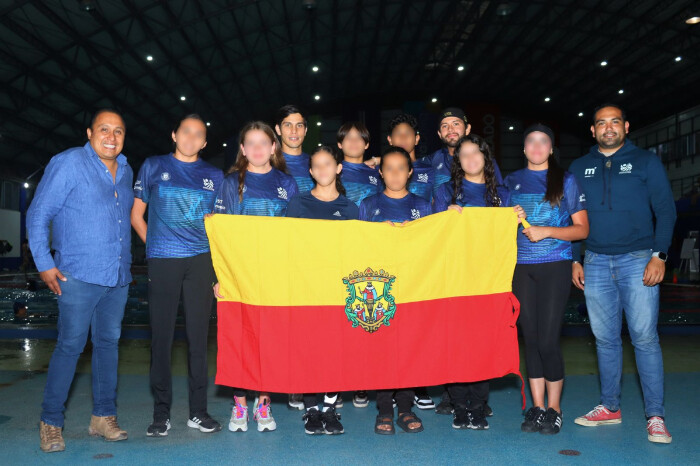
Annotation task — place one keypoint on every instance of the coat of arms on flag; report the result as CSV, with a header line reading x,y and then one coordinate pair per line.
x,y
369,304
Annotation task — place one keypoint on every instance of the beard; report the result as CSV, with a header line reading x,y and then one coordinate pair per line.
x,y
611,143
450,142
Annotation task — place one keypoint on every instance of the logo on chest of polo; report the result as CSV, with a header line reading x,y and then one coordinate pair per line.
x,y
165,176
422,177
208,184
415,214
282,193
589,172
373,180
625,168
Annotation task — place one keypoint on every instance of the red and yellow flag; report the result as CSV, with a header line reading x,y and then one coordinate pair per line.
x,y
315,305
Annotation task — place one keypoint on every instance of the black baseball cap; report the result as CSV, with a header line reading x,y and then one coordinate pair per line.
x,y
453,112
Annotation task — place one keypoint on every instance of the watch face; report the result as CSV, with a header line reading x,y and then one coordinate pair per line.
x,y
663,256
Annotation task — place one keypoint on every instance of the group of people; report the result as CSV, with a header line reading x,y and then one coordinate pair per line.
x,y
616,197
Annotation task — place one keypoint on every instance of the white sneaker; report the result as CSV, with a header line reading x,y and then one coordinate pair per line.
x,y
263,416
296,401
239,417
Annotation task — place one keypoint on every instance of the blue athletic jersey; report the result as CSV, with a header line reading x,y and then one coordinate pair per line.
x,y
265,195
422,179
441,160
305,205
178,195
470,195
527,189
360,181
382,208
298,167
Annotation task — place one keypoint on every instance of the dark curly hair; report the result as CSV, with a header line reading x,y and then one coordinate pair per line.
x,y
491,196
331,150
410,120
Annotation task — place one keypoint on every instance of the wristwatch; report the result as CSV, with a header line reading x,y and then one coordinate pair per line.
x,y
660,255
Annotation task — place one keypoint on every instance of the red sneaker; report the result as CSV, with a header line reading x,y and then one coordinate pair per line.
x,y
599,416
657,432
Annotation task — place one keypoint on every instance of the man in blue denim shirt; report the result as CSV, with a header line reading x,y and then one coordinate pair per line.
x,y
85,196
626,189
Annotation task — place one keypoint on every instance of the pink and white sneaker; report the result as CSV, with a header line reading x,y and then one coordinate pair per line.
x,y
263,416
239,417
656,430
599,416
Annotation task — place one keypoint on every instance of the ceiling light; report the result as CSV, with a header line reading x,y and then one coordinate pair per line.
x,y
318,123
208,124
693,20
460,68
182,97
679,58
547,99
511,128
621,91
224,144
317,97
603,63
149,58
314,69
26,185
434,99
580,114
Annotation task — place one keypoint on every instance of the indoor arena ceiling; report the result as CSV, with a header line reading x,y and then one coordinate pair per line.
x,y
232,61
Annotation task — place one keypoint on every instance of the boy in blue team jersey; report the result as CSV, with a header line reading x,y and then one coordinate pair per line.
x,y
395,205
403,132
291,127
178,189
359,179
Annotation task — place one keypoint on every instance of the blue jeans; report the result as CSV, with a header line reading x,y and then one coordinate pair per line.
x,y
83,307
613,283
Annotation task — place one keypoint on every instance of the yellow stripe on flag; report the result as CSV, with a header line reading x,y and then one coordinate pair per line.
x,y
272,261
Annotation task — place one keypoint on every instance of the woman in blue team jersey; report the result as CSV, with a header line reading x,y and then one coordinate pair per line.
x,y
395,205
256,185
326,201
556,208
178,189
473,184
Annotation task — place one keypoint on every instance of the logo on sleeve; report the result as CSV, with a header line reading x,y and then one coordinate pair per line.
x,y
208,184
373,180
415,214
589,172
423,177
440,166
517,187
137,186
377,212
582,198
625,168
165,176
282,193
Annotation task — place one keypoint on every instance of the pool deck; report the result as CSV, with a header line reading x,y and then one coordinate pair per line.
x,y
23,364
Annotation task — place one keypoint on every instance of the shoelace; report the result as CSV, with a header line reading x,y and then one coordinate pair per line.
x,y
656,425
533,414
241,411
53,434
600,409
263,411
112,422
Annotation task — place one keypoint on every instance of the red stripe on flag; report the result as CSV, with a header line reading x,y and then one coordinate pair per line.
x,y
314,349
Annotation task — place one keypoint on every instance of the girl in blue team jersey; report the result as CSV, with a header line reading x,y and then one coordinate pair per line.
x,y
473,184
326,201
178,189
395,205
256,185
556,208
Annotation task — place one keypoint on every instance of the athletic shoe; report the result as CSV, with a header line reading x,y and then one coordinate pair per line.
x,y
423,401
331,422
460,419
487,410
204,423
656,430
360,399
551,424
533,420
477,419
296,401
263,416
445,405
313,424
239,417
599,416
158,428
339,401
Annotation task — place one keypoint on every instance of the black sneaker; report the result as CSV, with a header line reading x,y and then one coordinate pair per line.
x,y
360,399
461,418
158,428
313,424
445,405
204,423
533,420
551,424
477,419
422,400
331,422
487,410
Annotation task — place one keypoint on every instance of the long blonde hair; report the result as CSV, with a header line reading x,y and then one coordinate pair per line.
x,y
241,163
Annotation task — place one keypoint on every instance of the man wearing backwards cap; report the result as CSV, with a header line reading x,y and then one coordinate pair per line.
x,y
453,125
